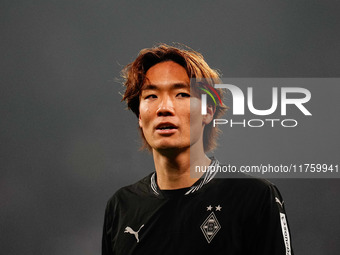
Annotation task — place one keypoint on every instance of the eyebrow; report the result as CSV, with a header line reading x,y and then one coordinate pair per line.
x,y
173,86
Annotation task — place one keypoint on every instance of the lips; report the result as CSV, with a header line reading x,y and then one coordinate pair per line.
x,y
166,126
166,129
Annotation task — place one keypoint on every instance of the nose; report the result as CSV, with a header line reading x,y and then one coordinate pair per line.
x,y
166,107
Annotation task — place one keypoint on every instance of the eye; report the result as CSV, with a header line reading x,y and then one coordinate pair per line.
x,y
150,96
183,94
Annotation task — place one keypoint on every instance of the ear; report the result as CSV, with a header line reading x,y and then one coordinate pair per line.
x,y
210,114
140,121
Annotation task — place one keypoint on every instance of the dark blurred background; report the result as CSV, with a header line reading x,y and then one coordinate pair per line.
x,y
67,142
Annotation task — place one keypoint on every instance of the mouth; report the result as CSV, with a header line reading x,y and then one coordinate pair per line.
x,y
166,128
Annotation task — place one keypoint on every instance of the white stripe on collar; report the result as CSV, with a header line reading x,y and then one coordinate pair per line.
x,y
154,186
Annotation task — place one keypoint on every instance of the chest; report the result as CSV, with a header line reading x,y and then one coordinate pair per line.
x,y
181,225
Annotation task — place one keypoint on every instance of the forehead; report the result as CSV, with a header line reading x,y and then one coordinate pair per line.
x,y
166,73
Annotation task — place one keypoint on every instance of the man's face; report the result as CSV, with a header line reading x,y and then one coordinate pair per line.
x,y
164,110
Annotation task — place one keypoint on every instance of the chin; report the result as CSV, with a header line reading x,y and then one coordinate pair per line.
x,y
165,146
169,147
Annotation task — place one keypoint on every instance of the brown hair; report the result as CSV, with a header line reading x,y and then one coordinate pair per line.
x,y
196,67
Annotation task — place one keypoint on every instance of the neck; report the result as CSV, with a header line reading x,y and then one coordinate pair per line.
x,y
173,167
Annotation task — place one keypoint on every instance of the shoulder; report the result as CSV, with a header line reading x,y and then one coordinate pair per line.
x,y
238,181
243,182
245,188
138,189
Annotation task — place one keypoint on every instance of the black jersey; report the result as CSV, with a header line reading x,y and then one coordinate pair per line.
x,y
215,216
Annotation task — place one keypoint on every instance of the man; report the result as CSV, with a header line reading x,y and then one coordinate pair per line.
x,y
169,211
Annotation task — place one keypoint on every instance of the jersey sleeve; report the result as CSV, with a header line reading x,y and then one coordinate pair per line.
x,y
107,240
270,231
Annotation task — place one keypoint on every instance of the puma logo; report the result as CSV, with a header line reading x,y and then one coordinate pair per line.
x,y
279,202
135,233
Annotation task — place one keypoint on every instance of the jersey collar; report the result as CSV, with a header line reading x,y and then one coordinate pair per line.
x,y
206,178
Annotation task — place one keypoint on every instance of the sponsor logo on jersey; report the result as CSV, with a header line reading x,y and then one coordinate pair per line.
x,y
135,233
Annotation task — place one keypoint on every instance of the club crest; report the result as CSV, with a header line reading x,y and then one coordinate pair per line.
x,y
211,226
